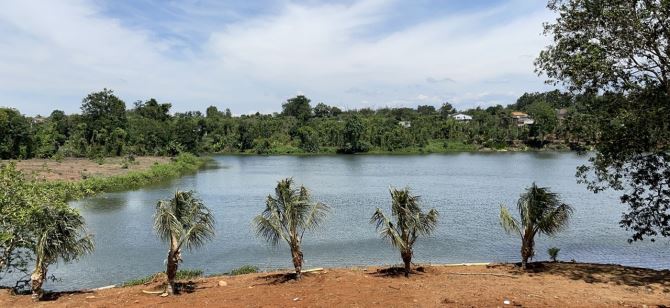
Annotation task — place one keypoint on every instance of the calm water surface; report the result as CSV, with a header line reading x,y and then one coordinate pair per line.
x,y
466,189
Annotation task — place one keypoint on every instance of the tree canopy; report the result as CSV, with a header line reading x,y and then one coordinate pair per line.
x,y
616,55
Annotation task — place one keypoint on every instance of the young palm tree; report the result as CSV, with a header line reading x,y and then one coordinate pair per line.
x,y
60,233
540,211
410,223
287,216
183,221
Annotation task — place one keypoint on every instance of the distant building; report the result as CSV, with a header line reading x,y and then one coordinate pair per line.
x,y
522,118
462,117
38,119
562,113
405,124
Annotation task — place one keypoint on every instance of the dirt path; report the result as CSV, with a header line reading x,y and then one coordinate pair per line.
x,y
555,285
73,169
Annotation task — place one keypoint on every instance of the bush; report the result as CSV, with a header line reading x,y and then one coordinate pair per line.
x,y
184,163
181,275
553,253
245,269
188,274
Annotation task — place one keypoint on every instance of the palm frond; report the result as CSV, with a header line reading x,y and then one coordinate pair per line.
x,y
556,220
61,234
165,222
387,230
508,222
288,214
184,218
270,230
316,215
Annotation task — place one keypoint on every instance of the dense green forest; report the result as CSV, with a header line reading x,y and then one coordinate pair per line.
x,y
106,127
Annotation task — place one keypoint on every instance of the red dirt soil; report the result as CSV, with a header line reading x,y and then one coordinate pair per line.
x,y
549,285
74,169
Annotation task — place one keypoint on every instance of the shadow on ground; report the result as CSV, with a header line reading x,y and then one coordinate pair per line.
x,y
397,271
600,273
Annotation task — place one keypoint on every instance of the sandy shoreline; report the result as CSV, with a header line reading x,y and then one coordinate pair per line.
x,y
455,285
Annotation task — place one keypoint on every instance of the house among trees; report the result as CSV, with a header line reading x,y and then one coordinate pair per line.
x,y
522,118
462,117
562,113
405,124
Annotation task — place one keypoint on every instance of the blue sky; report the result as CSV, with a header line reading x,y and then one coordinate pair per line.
x,y
252,55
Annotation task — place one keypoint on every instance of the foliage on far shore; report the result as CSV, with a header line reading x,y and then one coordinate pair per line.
x,y
106,128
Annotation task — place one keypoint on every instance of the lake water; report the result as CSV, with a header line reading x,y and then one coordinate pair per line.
x,y
466,189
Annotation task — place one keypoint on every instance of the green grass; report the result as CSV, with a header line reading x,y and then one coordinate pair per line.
x,y
245,269
184,274
182,164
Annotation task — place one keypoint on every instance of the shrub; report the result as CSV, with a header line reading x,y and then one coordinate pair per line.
x,y
181,275
553,253
245,269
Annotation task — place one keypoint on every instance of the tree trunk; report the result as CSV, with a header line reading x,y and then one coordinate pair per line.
x,y
407,259
526,251
171,272
37,280
172,265
297,261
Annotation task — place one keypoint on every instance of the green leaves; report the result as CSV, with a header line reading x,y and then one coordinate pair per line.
x,y
184,219
36,223
617,53
410,221
540,211
288,214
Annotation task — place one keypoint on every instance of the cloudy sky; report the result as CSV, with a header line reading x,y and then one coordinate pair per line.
x,y
252,55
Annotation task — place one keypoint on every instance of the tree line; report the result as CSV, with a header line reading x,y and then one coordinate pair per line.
x,y
106,127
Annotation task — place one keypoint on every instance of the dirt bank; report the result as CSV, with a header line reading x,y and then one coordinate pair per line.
x,y
74,169
552,285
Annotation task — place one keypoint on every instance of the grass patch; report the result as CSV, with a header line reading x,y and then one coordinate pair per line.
x,y
188,274
245,269
184,274
182,164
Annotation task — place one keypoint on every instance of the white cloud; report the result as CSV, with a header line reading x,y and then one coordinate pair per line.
x,y
52,53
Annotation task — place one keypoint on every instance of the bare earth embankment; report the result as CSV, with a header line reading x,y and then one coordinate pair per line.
x,y
554,285
74,169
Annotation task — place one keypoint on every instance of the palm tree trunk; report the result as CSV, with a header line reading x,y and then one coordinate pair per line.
x,y
526,251
172,266
297,261
37,280
171,272
407,259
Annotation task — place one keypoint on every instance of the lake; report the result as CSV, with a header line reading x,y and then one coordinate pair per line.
x,y
466,189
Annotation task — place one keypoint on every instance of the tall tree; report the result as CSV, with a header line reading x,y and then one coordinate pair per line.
x,y
103,111
620,48
287,215
15,135
297,107
540,212
353,135
410,223
183,221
